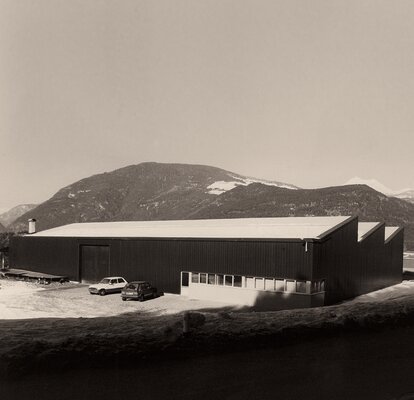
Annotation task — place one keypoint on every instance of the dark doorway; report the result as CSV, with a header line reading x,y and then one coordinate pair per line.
x,y
94,263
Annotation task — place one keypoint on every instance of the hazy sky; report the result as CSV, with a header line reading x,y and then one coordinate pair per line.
x,y
306,92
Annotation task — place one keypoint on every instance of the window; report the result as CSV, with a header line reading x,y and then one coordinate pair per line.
x,y
120,280
280,285
290,286
269,284
228,279
203,278
132,286
114,281
195,277
237,281
250,283
301,286
260,283
220,279
211,279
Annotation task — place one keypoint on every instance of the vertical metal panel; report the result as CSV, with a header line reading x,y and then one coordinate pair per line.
x,y
161,260
42,254
394,249
336,261
349,268
94,263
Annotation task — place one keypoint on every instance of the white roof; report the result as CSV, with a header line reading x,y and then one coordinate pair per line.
x,y
265,228
365,227
390,230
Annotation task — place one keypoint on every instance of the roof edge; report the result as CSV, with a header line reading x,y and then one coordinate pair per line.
x,y
336,227
371,231
391,237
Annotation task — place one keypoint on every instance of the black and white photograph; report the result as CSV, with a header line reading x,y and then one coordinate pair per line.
x,y
207,199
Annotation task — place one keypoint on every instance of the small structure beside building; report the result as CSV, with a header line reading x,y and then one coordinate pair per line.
x,y
4,251
268,263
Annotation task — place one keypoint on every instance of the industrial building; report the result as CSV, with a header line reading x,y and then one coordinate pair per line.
x,y
269,263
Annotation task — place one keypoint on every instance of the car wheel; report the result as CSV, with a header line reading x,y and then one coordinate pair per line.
x,y
123,298
102,292
141,297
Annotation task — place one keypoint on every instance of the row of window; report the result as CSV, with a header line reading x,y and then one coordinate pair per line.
x,y
248,282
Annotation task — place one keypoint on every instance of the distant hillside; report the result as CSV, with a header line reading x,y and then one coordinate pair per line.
x,y
2,228
407,195
152,191
404,194
10,216
257,200
146,191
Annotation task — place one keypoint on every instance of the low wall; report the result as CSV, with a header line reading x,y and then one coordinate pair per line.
x,y
258,299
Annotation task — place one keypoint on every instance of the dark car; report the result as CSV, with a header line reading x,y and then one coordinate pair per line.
x,y
140,290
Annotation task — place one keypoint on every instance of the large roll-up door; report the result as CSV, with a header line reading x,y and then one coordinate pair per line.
x,y
94,263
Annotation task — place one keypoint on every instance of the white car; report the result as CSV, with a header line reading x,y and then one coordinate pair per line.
x,y
111,284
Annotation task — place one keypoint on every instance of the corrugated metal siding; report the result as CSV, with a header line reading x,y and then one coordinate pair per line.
x,y
372,262
49,255
336,261
394,249
349,268
161,260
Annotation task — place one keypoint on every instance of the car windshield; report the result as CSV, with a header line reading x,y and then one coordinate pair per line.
x,y
105,280
132,286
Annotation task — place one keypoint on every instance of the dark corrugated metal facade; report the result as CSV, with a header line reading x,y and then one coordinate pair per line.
x,y
348,267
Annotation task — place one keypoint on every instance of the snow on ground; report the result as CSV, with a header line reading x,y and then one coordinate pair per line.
x,y
221,187
24,300
402,291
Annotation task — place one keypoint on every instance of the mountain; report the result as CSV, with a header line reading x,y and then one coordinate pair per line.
x,y
2,228
146,191
404,194
407,195
152,191
10,216
373,183
257,200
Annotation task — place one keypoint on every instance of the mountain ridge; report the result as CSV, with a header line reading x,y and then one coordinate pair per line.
x,y
154,191
8,217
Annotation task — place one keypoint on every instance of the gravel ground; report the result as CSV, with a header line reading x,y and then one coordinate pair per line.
x,y
23,300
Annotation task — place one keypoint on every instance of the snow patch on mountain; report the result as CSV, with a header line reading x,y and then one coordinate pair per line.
x,y
220,187
373,183
406,194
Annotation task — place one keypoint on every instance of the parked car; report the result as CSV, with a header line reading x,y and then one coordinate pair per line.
x,y
140,290
112,284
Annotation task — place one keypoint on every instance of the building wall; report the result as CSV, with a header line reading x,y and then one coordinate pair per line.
x,y
48,255
260,300
348,267
394,249
160,261
336,261
373,262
